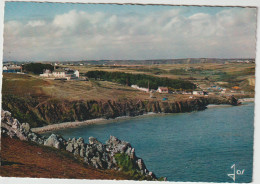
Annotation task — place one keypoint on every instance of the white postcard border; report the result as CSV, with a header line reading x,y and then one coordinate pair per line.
x,y
243,3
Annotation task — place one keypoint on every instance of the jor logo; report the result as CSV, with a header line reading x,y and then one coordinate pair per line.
x,y
235,172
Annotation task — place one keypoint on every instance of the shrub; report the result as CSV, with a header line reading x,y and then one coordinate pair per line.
x,y
141,80
37,68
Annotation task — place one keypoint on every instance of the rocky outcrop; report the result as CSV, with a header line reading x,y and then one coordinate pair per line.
x,y
231,100
13,128
55,141
94,153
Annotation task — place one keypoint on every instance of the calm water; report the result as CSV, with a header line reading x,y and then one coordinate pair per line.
x,y
197,146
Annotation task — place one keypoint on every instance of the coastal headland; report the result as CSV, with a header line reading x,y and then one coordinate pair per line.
x,y
107,92
109,111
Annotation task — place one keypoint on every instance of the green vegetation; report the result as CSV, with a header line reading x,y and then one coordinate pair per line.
x,y
233,79
232,76
22,85
141,80
95,108
198,71
178,72
129,167
124,162
153,70
22,109
37,68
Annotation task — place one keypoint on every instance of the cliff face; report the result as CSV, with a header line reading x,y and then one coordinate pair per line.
x,y
57,111
83,110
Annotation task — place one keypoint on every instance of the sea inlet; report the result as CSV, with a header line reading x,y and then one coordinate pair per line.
x,y
197,146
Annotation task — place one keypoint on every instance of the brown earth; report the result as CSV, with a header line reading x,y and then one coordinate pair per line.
x,y
26,159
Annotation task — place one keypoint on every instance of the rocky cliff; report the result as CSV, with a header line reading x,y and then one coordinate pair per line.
x,y
56,111
114,154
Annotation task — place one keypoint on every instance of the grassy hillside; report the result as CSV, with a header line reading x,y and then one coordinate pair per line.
x,y
32,86
233,74
45,162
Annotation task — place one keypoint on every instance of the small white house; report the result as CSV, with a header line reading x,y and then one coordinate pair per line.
x,y
46,73
76,73
163,90
198,93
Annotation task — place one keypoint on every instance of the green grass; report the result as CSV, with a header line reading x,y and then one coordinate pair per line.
x,y
129,167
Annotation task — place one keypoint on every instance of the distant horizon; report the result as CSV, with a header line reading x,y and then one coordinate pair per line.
x,y
133,59
71,32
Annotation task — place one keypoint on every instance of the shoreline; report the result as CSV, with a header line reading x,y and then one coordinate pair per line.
x,y
246,99
218,105
65,125
74,124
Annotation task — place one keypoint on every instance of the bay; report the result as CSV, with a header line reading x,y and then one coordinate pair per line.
x,y
197,146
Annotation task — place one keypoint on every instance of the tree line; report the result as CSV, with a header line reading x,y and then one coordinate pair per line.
x,y
141,80
37,68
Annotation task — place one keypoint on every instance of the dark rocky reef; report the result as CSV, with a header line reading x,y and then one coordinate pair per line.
x,y
114,154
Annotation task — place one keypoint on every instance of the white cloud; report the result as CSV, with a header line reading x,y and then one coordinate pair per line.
x,y
78,35
36,23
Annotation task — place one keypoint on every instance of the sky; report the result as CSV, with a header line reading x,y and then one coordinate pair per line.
x,y
74,32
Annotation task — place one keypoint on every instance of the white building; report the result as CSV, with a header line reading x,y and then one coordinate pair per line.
x,y
61,74
163,90
12,69
198,93
76,72
46,73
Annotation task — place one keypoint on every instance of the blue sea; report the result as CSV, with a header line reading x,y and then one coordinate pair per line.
x,y
197,146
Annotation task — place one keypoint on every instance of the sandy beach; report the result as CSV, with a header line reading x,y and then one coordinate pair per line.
x,y
246,100
68,125
86,122
215,105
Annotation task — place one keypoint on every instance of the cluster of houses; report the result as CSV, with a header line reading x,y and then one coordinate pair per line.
x,y
217,89
243,61
12,69
60,73
165,90
160,89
